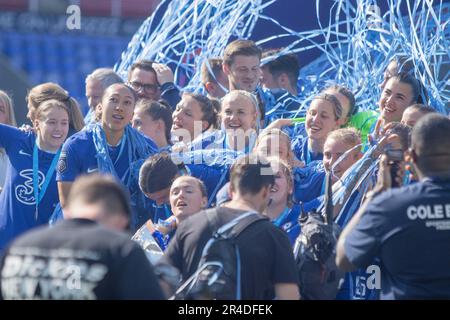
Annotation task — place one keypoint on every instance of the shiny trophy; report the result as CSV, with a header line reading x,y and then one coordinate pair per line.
x,y
147,242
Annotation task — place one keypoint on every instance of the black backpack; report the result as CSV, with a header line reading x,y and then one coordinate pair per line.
x,y
218,275
315,252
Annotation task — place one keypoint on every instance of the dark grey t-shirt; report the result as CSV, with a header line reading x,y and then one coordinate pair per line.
x,y
77,259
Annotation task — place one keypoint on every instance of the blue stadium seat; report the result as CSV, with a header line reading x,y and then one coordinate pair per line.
x,y
36,77
64,59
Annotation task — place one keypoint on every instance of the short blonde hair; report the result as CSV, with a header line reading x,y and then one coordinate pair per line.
x,y
350,136
274,132
250,96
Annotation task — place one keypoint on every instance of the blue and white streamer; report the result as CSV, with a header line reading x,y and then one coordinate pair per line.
x,y
357,42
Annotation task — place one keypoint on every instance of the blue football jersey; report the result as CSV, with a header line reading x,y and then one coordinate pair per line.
x,y
17,200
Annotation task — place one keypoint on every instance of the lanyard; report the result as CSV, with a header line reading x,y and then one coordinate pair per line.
x,y
216,189
306,154
308,158
322,192
226,144
38,195
281,217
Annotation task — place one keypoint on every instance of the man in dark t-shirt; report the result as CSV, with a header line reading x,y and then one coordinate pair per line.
x,y
83,257
268,266
408,228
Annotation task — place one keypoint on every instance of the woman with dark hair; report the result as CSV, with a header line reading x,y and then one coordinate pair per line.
x,y
396,65
400,91
193,115
154,120
110,145
187,196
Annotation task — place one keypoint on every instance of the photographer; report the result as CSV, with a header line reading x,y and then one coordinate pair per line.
x,y
407,228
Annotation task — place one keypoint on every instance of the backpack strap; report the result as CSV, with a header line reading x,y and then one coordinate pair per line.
x,y
244,224
217,188
213,219
235,227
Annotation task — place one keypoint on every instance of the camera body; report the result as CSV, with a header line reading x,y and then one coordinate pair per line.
x,y
395,157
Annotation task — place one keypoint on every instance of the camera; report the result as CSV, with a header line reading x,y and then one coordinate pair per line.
x,y
395,157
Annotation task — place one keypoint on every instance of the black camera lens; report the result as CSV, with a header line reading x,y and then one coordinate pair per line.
x,y
395,166
395,157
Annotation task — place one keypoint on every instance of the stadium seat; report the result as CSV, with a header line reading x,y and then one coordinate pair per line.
x,y
64,59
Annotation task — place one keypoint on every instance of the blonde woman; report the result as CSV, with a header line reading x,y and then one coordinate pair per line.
x,y
49,90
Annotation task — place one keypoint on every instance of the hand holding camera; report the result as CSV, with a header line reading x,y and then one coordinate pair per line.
x,y
396,168
391,171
